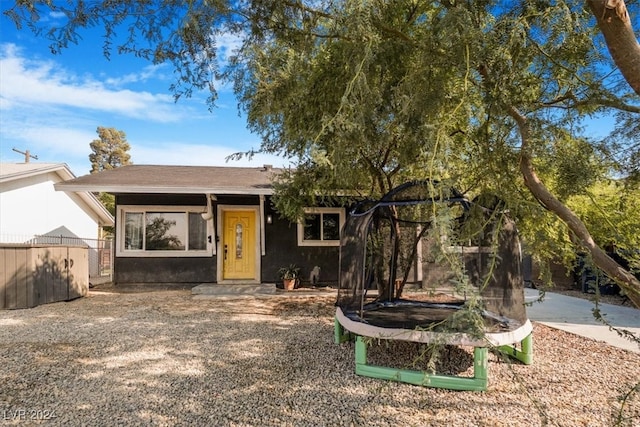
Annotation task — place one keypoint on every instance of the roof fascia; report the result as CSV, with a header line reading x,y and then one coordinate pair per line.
x,y
61,169
92,201
163,190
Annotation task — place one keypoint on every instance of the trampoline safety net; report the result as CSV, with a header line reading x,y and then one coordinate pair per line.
x,y
459,256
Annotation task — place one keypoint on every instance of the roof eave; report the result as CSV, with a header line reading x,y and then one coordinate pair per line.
x,y
105,217
61,169
117,189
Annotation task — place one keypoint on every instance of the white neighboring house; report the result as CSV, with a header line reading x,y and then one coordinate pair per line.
x,y
30,206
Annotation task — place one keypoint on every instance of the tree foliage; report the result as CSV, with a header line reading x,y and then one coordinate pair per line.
x,y
491,96
157,234
109,151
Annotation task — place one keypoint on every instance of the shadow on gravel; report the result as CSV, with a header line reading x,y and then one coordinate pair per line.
x,y
164,358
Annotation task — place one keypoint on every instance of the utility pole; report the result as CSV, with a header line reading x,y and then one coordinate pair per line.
x,y
27,155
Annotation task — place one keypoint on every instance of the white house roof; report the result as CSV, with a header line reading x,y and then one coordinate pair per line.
x,y
14,172
177,180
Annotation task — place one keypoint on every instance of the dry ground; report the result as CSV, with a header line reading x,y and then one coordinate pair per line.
x,y
168,358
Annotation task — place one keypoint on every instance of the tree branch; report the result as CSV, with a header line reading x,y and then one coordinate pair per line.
x,y
614,22
561,102
609,266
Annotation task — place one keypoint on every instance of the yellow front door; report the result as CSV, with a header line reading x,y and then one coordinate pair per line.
x,y
239,244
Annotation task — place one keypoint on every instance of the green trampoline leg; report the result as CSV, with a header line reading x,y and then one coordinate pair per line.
x,y
477,383
525,354
481,365
340,334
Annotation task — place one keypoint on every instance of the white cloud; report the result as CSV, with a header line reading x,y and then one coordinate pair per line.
x,y
60,141
53,111
57,15
227,45
147,73
34,84
176,153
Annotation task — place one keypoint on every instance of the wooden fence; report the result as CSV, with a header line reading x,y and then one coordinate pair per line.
x,y
31,275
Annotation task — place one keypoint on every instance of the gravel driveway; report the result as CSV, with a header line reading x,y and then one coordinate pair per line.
x,y
168,358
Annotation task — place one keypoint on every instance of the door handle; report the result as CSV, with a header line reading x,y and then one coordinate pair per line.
x,y
225,252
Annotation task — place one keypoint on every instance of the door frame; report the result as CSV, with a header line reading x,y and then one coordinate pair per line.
x,y
220,243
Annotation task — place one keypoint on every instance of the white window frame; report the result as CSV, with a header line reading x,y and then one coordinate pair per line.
x,y
301,239
141,253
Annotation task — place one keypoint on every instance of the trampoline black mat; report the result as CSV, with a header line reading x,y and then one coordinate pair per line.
x,y
410,315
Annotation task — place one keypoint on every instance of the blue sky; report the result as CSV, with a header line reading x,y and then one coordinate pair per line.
x,y
52,105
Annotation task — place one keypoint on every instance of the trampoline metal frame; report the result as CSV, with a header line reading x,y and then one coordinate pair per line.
x,y
478,382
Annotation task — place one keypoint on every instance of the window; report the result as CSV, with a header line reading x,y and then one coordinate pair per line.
x,y
162,231
321,227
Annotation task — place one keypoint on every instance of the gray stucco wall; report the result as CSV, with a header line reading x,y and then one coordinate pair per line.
x,y
164,270
281,249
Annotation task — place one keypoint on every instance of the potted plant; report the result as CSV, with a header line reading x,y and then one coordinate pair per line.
x,y
289,276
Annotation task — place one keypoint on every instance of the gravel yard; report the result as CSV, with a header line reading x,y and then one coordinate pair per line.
x,y
169,358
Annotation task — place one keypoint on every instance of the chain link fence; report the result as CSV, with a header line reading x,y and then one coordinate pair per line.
x,y
100,251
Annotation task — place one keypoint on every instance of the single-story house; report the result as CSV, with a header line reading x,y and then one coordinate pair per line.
x,y
30,208
197,224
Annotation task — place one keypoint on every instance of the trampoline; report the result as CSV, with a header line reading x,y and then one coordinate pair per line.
x,y
462,261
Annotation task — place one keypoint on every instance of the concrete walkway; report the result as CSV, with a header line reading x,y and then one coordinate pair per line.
x,y
569,314
575,315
